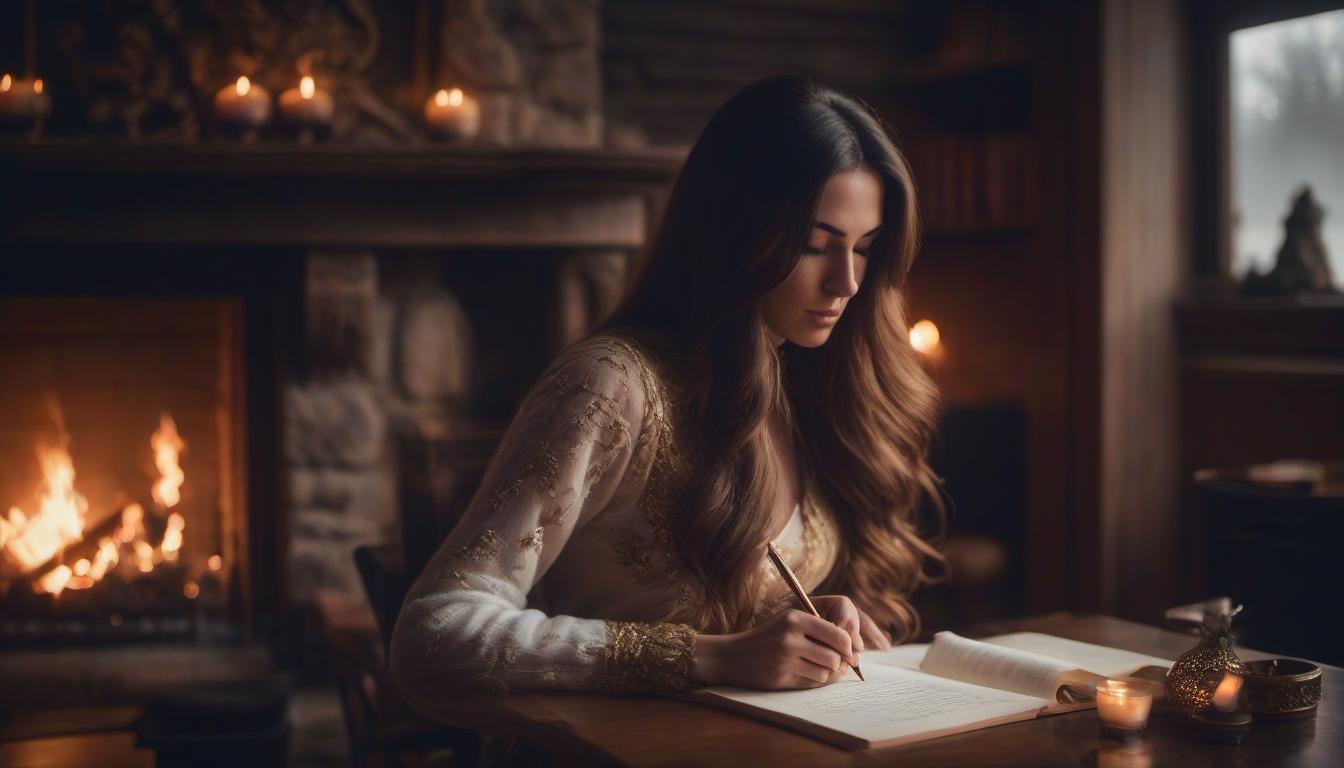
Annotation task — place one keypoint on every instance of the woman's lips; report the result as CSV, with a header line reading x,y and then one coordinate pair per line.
x,y
824,312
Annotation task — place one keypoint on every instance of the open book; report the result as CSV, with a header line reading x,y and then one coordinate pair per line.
x,y
953,685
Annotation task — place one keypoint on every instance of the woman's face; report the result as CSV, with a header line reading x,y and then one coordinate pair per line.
x,y
806,306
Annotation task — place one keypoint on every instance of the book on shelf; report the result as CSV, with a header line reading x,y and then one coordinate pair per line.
x,y
953,685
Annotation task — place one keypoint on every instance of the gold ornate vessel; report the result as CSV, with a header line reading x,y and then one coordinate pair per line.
x,y
1197,673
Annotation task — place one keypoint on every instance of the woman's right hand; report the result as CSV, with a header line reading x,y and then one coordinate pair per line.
x,y
791,649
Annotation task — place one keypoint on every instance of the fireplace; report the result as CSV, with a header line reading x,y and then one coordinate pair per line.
x,y
121,446
284,313
137,446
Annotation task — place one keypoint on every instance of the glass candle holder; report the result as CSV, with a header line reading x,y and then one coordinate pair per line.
x,y
1123,706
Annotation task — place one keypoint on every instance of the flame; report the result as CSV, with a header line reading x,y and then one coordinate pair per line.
x,y
441,98
167,445
455,97
6,83
214,563
37,85
306,87
172,537
29,541
242,86
56,579
924,337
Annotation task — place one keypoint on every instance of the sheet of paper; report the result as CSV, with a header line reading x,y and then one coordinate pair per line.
x,y
1011,669
1107,662
905,656
892,703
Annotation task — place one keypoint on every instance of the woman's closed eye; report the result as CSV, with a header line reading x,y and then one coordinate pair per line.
x,y
814,251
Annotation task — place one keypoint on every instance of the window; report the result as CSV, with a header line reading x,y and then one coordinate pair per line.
x,y
1287,115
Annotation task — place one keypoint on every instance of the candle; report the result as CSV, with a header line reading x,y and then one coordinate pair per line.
x,y
1225,697
22,99
243,103
453,114
306,105
1123,706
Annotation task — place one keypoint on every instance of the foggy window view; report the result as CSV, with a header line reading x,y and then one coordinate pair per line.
x,y
1287,82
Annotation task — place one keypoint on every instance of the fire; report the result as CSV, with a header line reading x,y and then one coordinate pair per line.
x,y
29,541
167,445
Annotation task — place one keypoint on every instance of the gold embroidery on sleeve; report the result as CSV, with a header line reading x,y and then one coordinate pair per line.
x,y
532,540
647,657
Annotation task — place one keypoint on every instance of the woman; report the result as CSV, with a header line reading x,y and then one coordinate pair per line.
x,y
757,385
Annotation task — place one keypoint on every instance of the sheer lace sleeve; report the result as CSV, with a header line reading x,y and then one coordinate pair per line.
x,y
465,625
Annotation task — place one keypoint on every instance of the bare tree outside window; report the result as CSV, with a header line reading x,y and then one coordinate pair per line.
x,y
1287,81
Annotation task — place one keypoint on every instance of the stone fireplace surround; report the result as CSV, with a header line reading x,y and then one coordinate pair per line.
x,y
388,291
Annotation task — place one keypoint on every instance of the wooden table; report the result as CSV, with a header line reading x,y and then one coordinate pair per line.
x,y
590,729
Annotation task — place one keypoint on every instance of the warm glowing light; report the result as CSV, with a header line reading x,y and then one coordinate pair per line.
x,y
441,98
6,83
455,97
1123,705
144,556
243,85
167,445
82,567
106,558
55,579
172,537
1225,698
190,590
214,563
28,541
132,524
924,337
306,87
37,85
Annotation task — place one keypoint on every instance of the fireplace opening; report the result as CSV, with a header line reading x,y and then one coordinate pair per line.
x,y
119,469
137,413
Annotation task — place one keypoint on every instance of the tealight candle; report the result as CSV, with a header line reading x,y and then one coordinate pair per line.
x,y
244,105
306,106
22,99
1123,708
453,114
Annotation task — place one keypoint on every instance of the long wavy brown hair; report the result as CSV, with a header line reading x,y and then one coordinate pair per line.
x,y
860,406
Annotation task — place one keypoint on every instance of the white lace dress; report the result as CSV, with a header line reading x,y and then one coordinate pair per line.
x,y
562,572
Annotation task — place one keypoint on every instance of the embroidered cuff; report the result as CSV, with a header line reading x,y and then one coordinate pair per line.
x,y
648,657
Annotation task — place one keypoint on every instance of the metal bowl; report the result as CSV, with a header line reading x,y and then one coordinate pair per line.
x,y
1281,689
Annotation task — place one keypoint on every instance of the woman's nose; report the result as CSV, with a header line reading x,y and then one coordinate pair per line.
x,y
842,277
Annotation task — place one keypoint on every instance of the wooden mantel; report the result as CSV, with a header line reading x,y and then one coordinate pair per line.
x,y
427,196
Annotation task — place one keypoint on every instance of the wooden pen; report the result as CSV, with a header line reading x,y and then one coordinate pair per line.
x,y
787,574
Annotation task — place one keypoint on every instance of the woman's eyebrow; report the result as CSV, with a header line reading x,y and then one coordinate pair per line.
x,y
837,231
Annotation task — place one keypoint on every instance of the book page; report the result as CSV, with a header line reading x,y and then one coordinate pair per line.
x,y
1098,659
1011,669
891,705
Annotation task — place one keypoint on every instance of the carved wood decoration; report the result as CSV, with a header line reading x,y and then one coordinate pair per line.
x,y
148,69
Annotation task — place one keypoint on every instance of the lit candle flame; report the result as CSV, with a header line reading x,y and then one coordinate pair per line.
x,y
441,98
6,83
243,85
306,87
167,445
924,337
37,85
